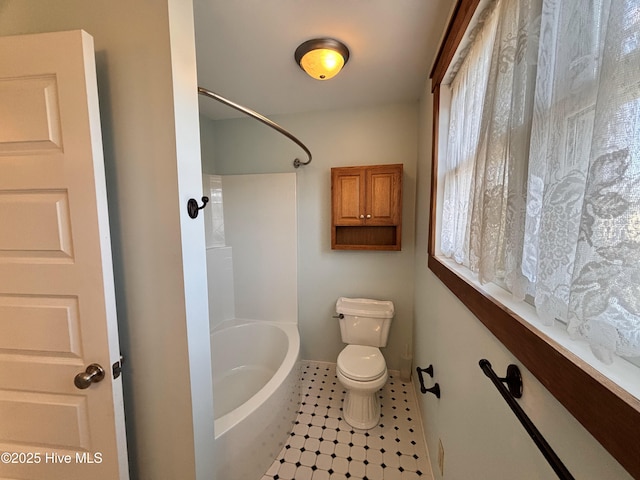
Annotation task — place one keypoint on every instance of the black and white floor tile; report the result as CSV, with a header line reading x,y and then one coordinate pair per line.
x,y
322,446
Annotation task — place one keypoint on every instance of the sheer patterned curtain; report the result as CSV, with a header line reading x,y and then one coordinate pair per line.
x,y
499,187
467,98
555,190
588,155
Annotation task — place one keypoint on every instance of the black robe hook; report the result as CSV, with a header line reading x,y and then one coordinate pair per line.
x,y
193,208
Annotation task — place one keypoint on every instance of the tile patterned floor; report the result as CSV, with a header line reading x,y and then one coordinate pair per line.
x,y
322,446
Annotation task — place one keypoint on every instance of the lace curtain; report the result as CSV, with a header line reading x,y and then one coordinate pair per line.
x,y
554,193
467,97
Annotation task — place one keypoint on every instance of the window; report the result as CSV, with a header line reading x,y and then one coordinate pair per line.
x,y
539,181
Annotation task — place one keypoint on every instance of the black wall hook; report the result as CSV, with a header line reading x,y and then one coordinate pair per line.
x,y
193,208
429,371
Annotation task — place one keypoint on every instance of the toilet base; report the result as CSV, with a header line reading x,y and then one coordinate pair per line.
x,y
361,409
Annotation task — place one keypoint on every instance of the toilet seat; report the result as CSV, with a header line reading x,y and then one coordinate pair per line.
x,y
361,363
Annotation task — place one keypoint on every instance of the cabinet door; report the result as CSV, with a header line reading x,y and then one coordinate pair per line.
x,y
348,185
384,197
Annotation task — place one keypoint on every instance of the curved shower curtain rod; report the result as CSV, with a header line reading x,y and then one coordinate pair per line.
x,y
262,118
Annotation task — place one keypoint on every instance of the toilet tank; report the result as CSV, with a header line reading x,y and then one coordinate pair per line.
x,y
364,321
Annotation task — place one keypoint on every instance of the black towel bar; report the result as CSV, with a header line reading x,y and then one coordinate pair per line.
x,y
534,433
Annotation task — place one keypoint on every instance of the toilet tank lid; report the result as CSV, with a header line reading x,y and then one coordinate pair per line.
x,y
365,307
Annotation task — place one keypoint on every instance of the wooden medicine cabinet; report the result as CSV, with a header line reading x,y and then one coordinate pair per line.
x,y
366,207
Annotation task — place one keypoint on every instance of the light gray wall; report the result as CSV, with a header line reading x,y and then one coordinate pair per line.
x,y
207,145
367,136
482,438
145,58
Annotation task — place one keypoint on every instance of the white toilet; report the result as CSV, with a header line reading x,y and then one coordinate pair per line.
x,y
361,368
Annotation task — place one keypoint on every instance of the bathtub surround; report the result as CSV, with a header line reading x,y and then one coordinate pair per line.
x,y
213,213
222,298
255,275
322,446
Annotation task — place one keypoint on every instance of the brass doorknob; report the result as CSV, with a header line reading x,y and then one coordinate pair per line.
x,y
93,374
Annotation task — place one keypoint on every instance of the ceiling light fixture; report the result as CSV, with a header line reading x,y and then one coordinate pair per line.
x,y
322,58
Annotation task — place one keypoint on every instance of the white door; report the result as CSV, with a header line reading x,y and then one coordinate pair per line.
x,y
57,303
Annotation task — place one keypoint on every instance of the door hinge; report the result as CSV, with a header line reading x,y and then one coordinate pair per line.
x,y
117,368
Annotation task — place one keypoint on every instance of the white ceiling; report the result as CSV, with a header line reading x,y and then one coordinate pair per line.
x,y
245,52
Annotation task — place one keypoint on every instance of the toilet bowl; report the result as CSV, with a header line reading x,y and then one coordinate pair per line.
x,y
362,371
361,368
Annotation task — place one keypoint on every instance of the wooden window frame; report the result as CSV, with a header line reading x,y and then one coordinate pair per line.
x,y
607,411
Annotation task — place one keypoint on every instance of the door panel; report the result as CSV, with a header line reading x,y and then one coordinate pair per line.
x,y
348,196
383,198
35,226
49,421
381,195
29,109
26,320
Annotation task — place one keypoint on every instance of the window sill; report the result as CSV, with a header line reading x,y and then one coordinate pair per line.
x,y
603,398
621,372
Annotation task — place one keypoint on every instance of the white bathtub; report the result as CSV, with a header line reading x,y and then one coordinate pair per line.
x,y
256,394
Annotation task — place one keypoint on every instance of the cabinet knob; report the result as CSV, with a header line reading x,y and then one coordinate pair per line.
x,y
361,216
368,216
